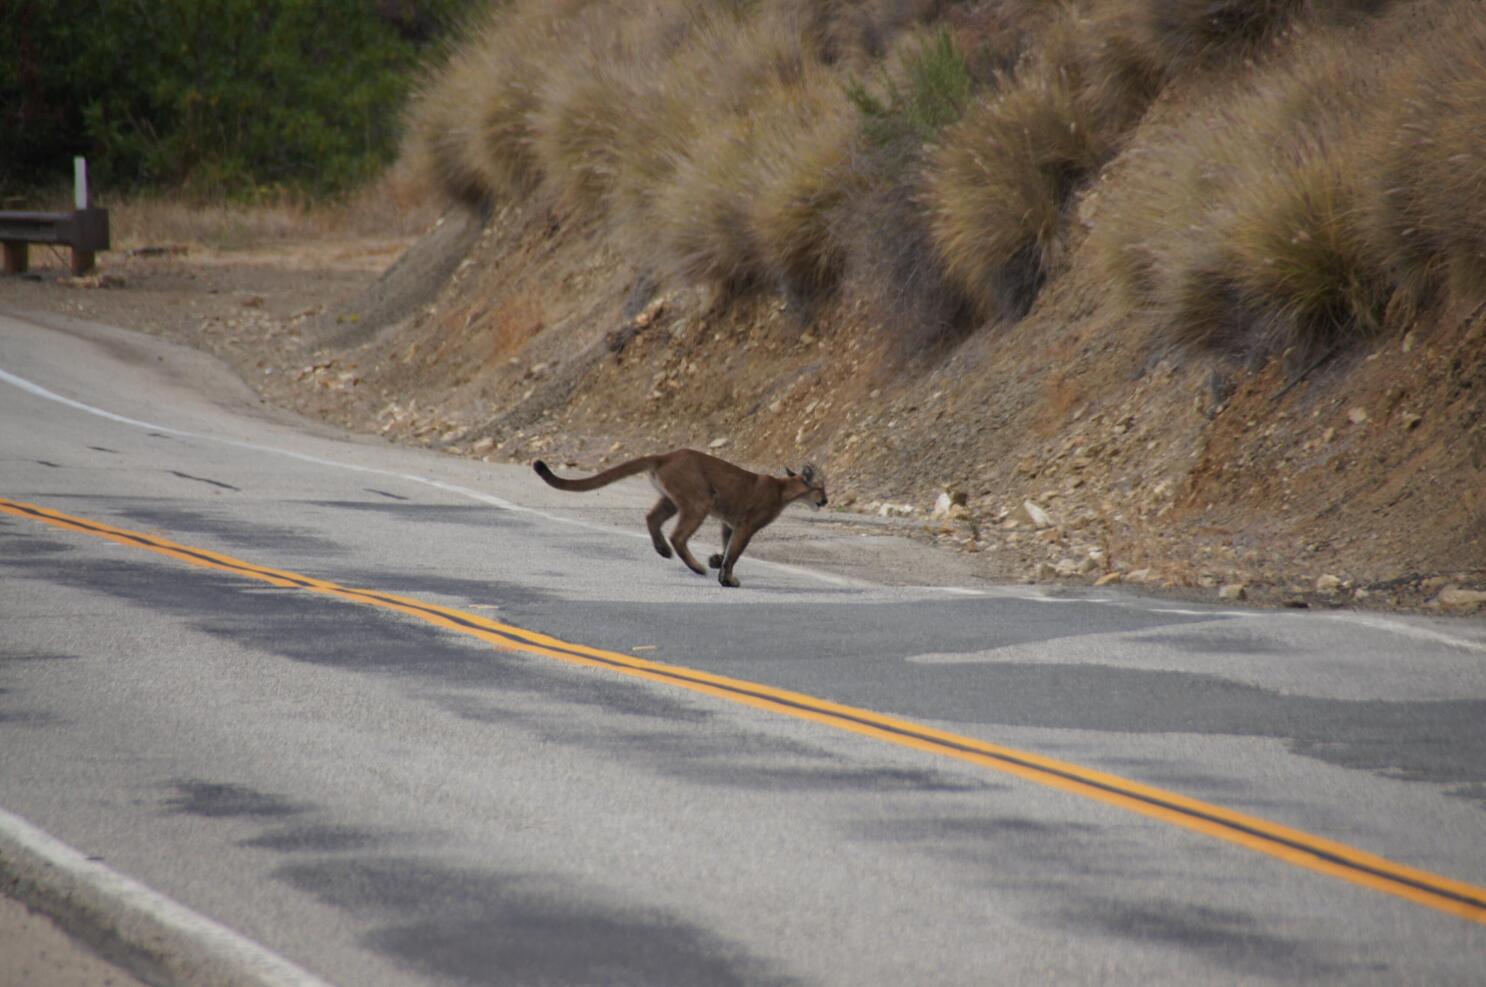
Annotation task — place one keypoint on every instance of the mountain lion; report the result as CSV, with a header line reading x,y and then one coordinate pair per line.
x,y
694,484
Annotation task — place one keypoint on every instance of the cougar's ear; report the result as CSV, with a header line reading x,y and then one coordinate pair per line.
x,y
807,473
788,471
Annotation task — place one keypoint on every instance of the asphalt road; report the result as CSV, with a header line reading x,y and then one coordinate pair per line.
x,y
398,718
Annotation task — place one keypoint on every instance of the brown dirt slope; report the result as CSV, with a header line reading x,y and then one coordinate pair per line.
x,y
1152,468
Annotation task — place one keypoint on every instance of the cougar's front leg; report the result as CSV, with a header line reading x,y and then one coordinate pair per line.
x,y
659,515
715,562
736,544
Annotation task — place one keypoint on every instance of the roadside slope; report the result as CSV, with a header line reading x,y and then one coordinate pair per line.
x,y
1091,438
1172,381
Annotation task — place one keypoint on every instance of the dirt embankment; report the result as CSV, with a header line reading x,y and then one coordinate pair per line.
x,y
1058,449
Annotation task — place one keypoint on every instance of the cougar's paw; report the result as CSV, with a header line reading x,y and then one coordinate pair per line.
x,y
715,561
730,581
664,550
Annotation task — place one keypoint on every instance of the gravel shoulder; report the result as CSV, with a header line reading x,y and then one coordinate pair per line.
x,y
35,952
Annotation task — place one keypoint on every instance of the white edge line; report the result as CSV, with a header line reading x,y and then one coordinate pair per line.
x,y
1402,629
42,392
116,911
476,495
1184,612
1377,623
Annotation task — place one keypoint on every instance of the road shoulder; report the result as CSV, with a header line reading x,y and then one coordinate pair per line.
x,y
35,952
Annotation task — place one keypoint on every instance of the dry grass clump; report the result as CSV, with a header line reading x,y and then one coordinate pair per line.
x,y
717,134
1117,76
1303,263
746,197
756,200
585,110
932,151
1189,31
997,186
660,131
1165,217
1338,199
701,215
443,135
729,60
470,123
853,33
1246,230
806,178
1181,34
578,129
1429,191
602,102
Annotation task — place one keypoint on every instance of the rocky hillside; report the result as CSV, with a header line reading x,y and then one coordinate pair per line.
x,y
1185,295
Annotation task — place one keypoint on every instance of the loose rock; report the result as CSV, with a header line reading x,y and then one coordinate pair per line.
x,y
1455,598
1328,584
1034,514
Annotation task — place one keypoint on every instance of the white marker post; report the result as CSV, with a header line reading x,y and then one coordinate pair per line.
x,y
89,231
80,183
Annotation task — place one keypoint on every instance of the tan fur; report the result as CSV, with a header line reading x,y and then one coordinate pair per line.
x,y
693,485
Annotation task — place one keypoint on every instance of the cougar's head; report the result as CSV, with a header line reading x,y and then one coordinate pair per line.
x,y
814,484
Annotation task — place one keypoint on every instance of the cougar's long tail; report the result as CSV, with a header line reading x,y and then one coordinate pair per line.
x,y
603,479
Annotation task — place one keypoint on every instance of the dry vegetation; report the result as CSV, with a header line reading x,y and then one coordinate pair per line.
x,y
1426,174
1293,218
1002,200
1204,279
776,144
398,205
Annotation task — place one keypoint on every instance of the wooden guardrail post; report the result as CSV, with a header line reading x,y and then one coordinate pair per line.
x,y
85,229
16,261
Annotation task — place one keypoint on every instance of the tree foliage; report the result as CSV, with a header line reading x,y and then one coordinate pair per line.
x,y
217,96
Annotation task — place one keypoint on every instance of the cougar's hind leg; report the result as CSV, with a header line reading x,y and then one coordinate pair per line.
x,y
686,526
715,562
659,515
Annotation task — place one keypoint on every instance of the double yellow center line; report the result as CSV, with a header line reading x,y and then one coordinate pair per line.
x,y
1291,845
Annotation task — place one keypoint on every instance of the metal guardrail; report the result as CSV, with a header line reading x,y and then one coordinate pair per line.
x,y
84,230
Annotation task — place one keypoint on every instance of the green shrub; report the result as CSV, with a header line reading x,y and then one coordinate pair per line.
x,y
216,95
932,94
